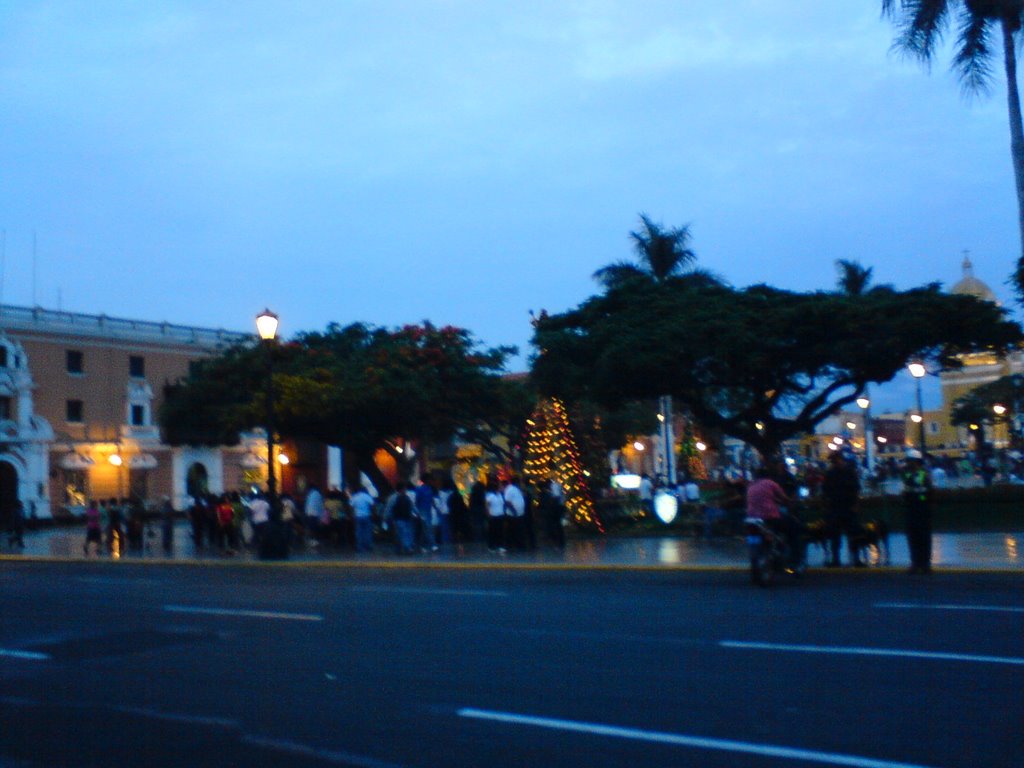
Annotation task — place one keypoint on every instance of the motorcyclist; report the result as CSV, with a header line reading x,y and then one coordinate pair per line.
x,y
767,501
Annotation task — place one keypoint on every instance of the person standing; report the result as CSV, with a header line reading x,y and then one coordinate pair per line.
x,y
16,530
167,525
425,512
314,514
515,510
478,511
841,489
917,499
259,512
399,512
495,503
93,529
362,515
647,493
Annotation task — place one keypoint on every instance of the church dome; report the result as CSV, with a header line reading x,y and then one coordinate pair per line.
x,y
969,285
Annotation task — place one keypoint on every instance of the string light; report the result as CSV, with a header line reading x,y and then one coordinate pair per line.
x,y
550,447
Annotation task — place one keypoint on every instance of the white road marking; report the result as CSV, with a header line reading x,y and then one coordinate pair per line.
x,y
426,591
244,614
944,607
873,652
26,655
304,750
174,717
696,742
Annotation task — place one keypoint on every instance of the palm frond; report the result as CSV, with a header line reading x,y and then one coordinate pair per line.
x,y
920,25
973,59
853,278
618,273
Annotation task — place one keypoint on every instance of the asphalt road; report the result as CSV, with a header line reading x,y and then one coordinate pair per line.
x,y
134,665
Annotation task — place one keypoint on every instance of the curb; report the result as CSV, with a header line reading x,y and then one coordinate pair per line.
x,y
478,566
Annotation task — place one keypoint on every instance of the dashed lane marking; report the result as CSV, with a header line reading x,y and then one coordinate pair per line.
x,y
10,653
427,591
243,613
948,607
853,651
695,742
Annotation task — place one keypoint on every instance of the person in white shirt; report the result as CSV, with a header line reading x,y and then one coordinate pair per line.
x,y
259,512
314,513
362,512
515,510
495,518
647,493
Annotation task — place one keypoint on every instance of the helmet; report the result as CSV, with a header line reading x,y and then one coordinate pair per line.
x,y
913,453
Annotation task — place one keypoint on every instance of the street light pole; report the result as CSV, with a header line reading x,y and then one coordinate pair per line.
x,y
918,371
869,434
266,325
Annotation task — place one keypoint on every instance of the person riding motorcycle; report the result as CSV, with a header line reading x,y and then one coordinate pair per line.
x,y
767,501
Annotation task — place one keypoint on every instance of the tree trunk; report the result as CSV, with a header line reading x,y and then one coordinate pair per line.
x,y
1016,141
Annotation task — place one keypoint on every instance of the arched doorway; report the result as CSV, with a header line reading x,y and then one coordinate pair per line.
x,y
8,492
197,481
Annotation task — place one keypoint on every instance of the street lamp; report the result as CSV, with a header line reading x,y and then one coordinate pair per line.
x,y
918,371
864,403
266,326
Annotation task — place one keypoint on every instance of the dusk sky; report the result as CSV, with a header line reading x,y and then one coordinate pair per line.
x,y
465,162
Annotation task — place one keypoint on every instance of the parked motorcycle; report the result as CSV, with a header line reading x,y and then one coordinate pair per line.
x,y
770,554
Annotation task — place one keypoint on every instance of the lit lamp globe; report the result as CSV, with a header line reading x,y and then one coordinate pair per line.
x,y
266,325
999,409
863,402
666,506
917,370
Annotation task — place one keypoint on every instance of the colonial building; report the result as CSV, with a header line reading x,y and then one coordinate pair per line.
x,y
79,396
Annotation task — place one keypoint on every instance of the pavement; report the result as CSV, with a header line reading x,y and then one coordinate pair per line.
x,y
982,551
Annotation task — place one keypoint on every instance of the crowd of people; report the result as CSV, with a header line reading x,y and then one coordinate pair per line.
x,y
417,518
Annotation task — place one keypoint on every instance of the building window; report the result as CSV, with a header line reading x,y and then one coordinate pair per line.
x,y
3,357
76,361
137,366
5,408
138,416
75,414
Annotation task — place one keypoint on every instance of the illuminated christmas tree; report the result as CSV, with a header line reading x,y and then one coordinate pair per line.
x,y
551,450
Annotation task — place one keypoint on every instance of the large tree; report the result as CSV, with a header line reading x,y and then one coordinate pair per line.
x,y
356,386
921,25
760,364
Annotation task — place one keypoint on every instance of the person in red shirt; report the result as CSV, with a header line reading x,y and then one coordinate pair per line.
x,y
766,500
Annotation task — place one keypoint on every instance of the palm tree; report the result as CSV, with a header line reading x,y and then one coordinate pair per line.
x,y
661,254
853,278
921,25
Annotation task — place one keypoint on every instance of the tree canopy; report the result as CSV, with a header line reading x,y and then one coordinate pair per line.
x,y
760,363
354,386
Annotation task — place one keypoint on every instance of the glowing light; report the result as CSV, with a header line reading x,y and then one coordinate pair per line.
x,y
882,439
837,440
399,449
700,446
917,370
626,481
863,402
916,418
116,460
638,445
266,325
661,417
833,447
974,427
666,506
999,409
851,425
283,459
759,426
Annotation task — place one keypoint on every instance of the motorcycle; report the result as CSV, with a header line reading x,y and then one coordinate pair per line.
x,y
770,554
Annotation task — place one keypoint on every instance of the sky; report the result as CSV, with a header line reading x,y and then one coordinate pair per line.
x,y
465,162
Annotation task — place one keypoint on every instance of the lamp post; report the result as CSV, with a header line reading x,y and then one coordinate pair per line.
x,y
266,326
864,402
918,371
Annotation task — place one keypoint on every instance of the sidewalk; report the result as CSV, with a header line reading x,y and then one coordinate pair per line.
x,y
1001,551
